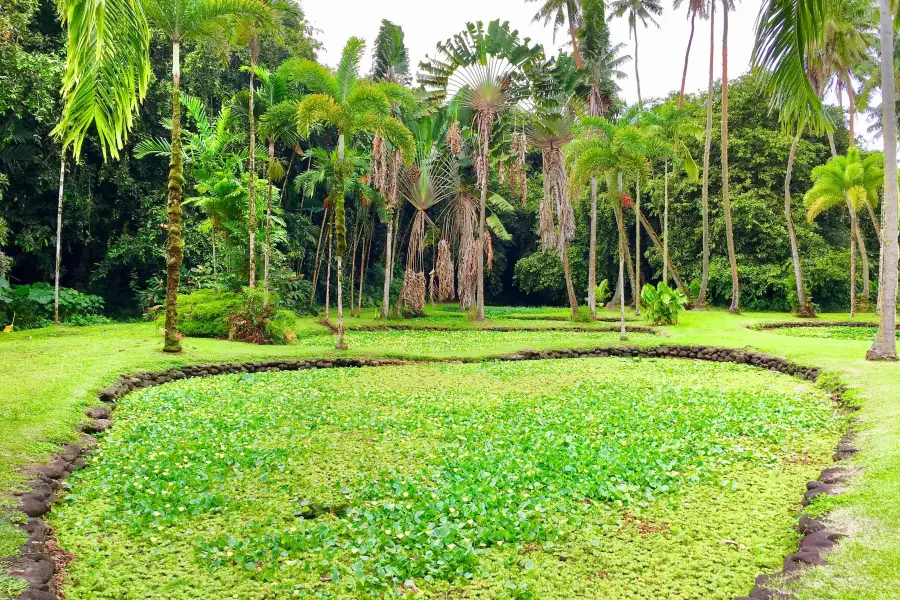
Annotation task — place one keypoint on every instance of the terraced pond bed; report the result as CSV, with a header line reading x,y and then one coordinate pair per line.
x,y
554,479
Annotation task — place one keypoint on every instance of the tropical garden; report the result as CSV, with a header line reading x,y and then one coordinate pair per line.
x,y
474,327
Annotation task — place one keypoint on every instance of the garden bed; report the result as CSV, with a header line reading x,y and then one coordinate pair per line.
x,y
491,468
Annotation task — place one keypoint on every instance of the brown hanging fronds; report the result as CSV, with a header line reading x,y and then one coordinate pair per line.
x,y
488,250
454,138
444,268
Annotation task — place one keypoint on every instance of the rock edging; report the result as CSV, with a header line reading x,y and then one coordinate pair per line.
x,y
39,564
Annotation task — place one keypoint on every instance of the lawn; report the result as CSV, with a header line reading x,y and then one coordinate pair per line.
x,y
48,379
491,480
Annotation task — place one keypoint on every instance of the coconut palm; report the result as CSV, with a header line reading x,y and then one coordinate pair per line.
x,y
727,6
636,11
847,181
562,12
707,148
695,8
352,106
483,67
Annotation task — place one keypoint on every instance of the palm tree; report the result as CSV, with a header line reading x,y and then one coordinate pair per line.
x,y
561,12
846,181
390,63
805,307
481,66
707,148
277,124
637,10
352,106
728,5
600,70
695,8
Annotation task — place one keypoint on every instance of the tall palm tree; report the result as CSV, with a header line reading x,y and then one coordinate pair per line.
x,y
707,148
483,67
181,21
390,62
637,10
352,106
600,71
561,12
695,8
846,181
727,6
279,104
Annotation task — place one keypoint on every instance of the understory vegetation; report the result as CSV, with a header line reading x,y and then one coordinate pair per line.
x,y
496,480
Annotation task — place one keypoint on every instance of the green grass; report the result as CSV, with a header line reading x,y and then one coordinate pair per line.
x,y
446,475
48,379
836,332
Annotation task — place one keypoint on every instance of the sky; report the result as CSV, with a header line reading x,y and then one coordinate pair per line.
x,y
661,50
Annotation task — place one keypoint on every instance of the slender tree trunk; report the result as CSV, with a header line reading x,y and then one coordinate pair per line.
x,y
212,239
59,214
268,247
878,306
395,251
388,261
318,261
251,221
637,74
592,253
479,292
852,259
570,288
864,257
623,243
679,283
353,273
704,198
637,250
174,243
687,55
804,308
340,229
666,227
626,250
726,200
328,280
576,52
851,96
367,248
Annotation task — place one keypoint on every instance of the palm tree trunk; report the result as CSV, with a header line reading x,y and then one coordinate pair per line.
x,y
851,96
679,283
666,227
687,55
804,308
268,247
388,261
852,260
174,242
484,139
353,271
637,250
364,260
864,257
726,200
318,261
592,253
623,243
251,221
328,279
59,214
570,288
878,306
626,250
704,198
576,52
637,74
341,231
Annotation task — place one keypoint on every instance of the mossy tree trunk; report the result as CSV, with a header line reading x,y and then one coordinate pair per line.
x,y
174,242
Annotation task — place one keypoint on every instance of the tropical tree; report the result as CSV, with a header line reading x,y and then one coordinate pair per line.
x,y
352,106
482,66
848,181
600,70
636,11
727,6
561,12
707,148
695,8
390,57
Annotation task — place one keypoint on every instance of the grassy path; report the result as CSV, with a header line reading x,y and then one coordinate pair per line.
x,y
46,379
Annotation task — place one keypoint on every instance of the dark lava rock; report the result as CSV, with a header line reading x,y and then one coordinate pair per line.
x,y
78,463
34,506
819,542
97,425
34,594
809,525
816,488
39,571
98,412
109,394
53,469
800,559
71,452
835,475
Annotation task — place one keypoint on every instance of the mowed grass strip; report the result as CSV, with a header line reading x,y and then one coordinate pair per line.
x,y
536,479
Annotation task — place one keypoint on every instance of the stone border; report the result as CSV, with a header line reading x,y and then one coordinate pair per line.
x,y
42,561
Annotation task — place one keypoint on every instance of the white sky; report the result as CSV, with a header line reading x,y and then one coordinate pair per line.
x,y
661,56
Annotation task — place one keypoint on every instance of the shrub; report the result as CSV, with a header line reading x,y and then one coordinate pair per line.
x,y
582,315
205,313
662,304
602,293
32,305
248,316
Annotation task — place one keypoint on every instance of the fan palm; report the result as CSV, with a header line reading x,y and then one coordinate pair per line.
x,y
848,181
482,67
352,106
561,12
636,11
